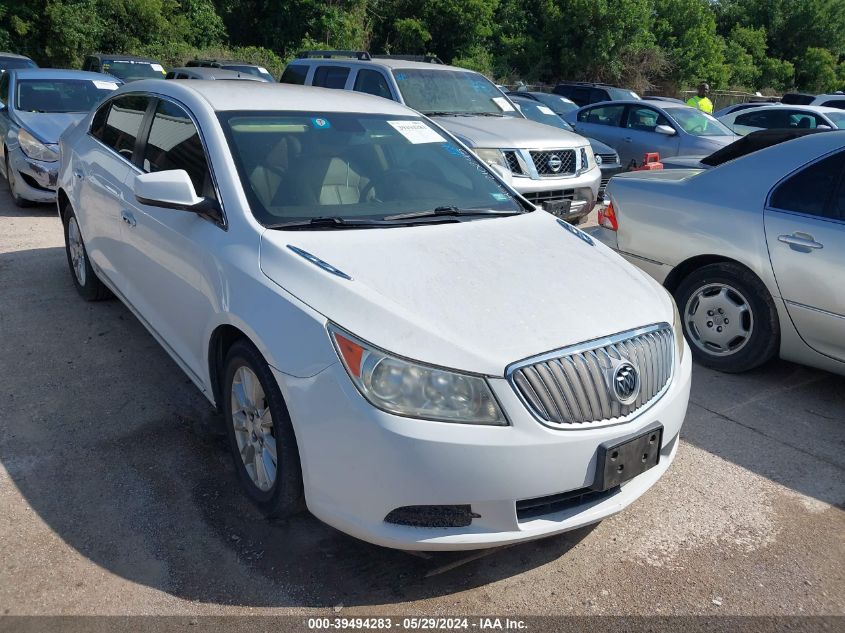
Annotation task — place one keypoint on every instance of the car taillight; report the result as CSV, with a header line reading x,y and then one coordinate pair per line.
x,y
607,217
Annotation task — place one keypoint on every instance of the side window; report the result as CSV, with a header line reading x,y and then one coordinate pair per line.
x,y
644,119
330,76
803,120
372,82
4,89
581,96
294,74
174,143
768,120
835,103
118,122
597,94
603,115
809,190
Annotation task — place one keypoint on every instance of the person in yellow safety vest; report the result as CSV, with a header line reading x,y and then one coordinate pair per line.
x,y
700,101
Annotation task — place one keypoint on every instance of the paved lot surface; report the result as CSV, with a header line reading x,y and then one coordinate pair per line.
x,y
118,497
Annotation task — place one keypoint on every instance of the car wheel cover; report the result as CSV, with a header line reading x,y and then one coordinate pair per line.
x,y
718,319
76,250
253,426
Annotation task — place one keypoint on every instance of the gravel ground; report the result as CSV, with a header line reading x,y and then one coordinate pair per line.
x,y
118,497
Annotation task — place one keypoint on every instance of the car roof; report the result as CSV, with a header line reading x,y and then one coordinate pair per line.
x,y
61,73
13,56
378,61
214,73
806,108
264,95
119,57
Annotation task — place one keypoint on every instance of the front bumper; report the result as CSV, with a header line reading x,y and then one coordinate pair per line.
x,y
359,464
582,189
35,180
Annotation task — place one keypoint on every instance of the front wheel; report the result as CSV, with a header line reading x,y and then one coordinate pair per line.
x,y
85,279
260,433
729,318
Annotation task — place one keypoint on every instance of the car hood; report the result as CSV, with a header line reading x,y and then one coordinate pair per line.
x,y
48,126
704,143
659,174
475,295
508,132
599,147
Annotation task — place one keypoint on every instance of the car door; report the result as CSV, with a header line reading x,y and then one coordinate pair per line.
x,y
639,136
174,282
602,122
805,232
5,120
102,166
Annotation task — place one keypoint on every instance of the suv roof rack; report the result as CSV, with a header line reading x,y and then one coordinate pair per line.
x,y
585,83
427,59
362,55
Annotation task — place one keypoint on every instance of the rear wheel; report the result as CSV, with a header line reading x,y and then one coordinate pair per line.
x,y
85,279
13,185
260,433
729,318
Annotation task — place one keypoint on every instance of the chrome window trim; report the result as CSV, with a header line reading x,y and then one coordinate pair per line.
x,y
585,346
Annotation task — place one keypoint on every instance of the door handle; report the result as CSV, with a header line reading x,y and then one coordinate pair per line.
x,y
79,175
127,217
803,242
628,139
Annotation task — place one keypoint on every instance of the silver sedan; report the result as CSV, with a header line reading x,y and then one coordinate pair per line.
x,y
36,107
753,250
634,128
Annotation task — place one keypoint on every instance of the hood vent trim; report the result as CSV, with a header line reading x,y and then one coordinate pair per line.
x,y
319,262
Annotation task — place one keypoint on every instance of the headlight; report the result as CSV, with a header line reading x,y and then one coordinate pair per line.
x,y
414,390
492,157
598,159
678,327
37,150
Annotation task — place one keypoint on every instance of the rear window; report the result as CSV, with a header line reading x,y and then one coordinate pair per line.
x,y
294,75
131,70
255,71
330,77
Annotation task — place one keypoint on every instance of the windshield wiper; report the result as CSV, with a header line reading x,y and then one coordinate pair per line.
x,y
332,222
449,211
495,114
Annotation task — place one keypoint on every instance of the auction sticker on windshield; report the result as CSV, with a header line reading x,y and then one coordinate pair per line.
x,y
416,132
105,85
504,104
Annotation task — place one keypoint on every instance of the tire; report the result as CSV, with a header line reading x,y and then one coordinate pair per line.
x,y
729,318
12,182
278,495
88,285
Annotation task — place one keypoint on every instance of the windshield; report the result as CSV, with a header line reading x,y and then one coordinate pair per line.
x,y
133,70
12,63
450,92
257,71
61,95
297,166
838,119
542,114
698,123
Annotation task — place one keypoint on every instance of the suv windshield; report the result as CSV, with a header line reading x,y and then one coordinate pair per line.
x,y
297,166
450,92
698,123
133,70
540,113
60,95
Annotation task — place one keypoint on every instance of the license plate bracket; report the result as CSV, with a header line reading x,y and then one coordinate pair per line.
x,y
621,459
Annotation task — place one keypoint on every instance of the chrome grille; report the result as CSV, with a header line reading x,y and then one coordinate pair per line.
x,y
556,162
603,185
571,387
513,162
609,159
538,197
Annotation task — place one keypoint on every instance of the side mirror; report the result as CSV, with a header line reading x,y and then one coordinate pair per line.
x,y
173,189
502,172
668,130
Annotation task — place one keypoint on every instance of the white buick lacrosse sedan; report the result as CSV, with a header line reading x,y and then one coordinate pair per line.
x,y
395,338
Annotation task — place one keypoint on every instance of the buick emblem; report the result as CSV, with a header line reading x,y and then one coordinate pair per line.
x,y
554,163
625,382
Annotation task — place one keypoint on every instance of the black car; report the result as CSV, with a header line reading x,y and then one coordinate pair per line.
x,y
125,67
9,61
232,64
584,93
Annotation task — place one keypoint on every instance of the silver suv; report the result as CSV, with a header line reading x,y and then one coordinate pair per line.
x,y
544,164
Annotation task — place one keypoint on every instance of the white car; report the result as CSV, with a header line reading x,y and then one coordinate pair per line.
x,y
784,117
393,336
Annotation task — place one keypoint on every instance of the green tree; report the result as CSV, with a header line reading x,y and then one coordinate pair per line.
x,y
815,70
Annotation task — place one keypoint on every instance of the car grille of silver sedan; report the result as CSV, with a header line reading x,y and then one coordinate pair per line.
x,y
555,162
600,382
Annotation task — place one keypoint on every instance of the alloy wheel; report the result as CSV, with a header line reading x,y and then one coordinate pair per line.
x,y
254,431
76,249
719,319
